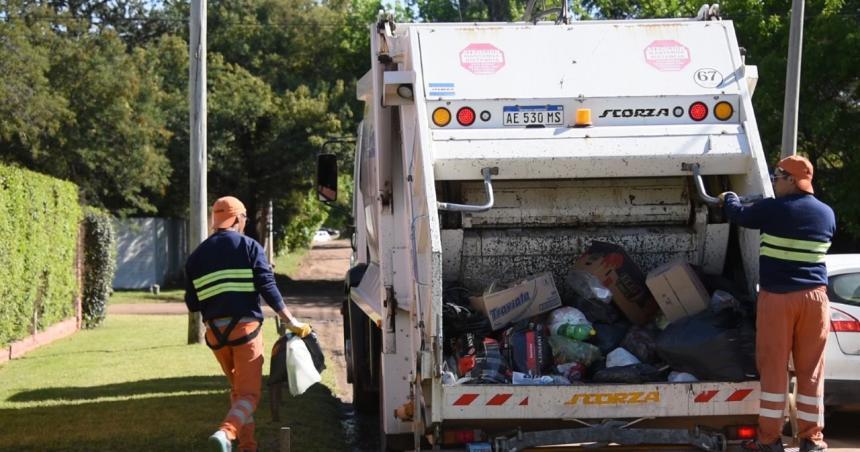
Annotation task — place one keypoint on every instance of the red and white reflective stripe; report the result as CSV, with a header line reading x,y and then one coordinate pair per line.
x,y
715,396
817,418
494,400
814,401
499,399
772,397
773,414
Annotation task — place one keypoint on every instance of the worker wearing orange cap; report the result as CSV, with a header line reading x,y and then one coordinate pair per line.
x,y
792,313
225,276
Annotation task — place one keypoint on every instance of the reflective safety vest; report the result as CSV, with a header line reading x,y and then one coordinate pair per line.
x,y
221,281
795,250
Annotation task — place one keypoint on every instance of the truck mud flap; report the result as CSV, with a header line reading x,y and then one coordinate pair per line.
x,y
613,433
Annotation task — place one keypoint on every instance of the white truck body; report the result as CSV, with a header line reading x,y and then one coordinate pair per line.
x,y
625,179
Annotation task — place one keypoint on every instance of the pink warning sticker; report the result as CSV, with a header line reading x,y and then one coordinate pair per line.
x,y
667,55
482,58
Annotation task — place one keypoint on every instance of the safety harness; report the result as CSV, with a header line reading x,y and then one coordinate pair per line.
x,y
223,337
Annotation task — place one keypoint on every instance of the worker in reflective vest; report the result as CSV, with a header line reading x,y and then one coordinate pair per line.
x,y
225,276
793,316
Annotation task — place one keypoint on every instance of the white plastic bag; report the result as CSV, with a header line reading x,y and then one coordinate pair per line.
x,y
519,378
682,377
620,357
301,372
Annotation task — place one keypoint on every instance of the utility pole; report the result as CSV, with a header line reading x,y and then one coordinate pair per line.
x,y
792,80
197,93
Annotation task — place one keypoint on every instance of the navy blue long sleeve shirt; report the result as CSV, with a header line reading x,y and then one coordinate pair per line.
x,y
226,275
796,231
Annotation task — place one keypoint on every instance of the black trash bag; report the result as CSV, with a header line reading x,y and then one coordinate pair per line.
x,y
642,343
714,283
278,364
594,368
746,336
526,348
634,373
459,318
609,336
584,291
490,366
711,346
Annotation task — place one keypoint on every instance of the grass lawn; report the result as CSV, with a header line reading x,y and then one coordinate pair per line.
x,y
286,264
134,385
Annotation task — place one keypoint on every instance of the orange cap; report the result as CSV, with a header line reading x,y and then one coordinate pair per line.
x,y
225,210
801,169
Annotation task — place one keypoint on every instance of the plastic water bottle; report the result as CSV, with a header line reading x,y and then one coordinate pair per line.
x,y
579,332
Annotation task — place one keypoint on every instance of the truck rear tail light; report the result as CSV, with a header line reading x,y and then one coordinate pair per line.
x,y
741,432
441,117
841,322
698,111
463,436
466,116
723,111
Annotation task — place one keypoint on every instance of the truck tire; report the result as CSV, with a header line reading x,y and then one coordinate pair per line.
x,y
364,339
352,279
397,443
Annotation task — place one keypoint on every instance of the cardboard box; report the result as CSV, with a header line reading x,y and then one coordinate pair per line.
x,y
617,271
530,297
678,290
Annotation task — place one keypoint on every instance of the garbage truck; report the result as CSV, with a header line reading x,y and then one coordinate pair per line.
x,y
493,151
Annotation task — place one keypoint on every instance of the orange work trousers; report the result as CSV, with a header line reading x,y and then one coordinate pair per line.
x,y
243,366
792,324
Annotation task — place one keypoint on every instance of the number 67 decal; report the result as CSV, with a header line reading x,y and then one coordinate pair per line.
x,y
708,78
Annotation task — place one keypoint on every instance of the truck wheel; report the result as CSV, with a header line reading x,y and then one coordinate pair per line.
x,y
397,443
364,346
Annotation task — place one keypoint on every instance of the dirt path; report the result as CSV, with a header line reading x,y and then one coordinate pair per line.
x,y
314,293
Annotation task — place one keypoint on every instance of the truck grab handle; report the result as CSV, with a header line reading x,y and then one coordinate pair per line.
x,y
703,194
488,189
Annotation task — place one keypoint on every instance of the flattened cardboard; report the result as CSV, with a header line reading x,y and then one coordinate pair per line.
x,y
534,295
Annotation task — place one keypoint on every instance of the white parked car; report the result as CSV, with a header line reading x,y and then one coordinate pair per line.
x,y
842,358
322,236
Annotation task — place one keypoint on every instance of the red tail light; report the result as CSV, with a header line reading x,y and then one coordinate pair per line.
x,y
736,432
463,436
466,116
746,432
698,111
841,322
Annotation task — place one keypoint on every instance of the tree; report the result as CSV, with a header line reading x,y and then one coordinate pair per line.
x,y
83,118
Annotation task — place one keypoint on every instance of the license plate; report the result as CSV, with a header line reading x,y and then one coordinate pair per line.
x,y
537,115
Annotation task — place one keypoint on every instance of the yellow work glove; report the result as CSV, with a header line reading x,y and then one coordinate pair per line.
x,y
299,329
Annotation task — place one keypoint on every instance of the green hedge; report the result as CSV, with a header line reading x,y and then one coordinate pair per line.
x,y
99,265
38,241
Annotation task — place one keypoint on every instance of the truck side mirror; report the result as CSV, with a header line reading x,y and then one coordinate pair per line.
x,y
327,177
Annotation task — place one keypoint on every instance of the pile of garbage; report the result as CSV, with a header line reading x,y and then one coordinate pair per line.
x,y
614,324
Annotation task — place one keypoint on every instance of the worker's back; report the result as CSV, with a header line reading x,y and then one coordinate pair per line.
x,y
220,272
796,231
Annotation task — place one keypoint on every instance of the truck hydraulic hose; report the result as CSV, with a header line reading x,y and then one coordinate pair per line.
x,y
703,194
488,189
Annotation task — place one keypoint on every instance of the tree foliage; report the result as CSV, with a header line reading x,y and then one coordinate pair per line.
x,y
96,91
